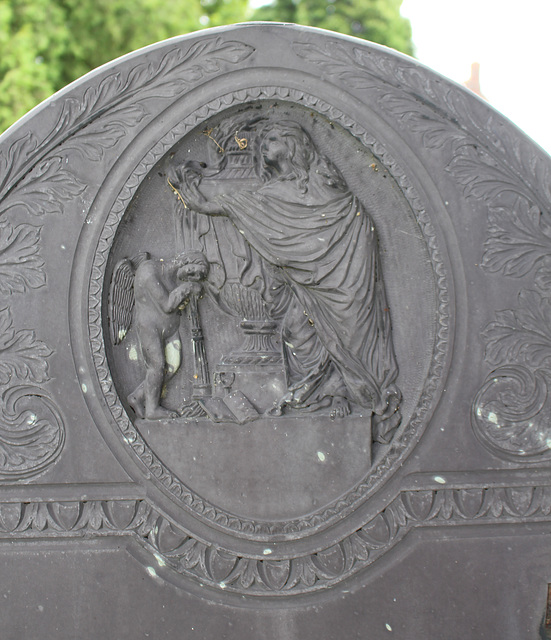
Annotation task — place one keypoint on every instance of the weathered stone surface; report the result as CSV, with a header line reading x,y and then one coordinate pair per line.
x,y
274,350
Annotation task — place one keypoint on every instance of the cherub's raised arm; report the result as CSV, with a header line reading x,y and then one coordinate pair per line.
x,y
148,285
179,296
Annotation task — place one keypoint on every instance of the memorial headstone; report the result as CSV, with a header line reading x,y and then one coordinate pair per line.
x,y
275,350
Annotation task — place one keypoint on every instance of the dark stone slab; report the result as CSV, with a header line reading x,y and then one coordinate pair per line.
x,y
243,462
274,350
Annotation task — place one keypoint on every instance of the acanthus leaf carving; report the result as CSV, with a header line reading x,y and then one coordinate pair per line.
x,y
23,356
364,69
509,175
21,267
37,179
519,241
483,178
247,574
444,115
44,189
511,411
15,158
92,142
336,59
522,334
121,101
208,56
435,131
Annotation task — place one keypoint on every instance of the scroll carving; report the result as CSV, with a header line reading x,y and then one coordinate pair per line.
x,y
37,179
32,432
510,412
513,180
31,428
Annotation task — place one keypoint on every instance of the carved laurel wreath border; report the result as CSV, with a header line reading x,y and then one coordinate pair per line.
x,y
131,436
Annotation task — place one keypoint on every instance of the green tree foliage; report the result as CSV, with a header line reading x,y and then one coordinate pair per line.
x,y
376,20
45,44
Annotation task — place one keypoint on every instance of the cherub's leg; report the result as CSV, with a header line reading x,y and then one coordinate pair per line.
x,y
137,400
173,356
154,356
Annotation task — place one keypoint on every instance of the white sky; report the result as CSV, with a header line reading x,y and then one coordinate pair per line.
x,y
510,39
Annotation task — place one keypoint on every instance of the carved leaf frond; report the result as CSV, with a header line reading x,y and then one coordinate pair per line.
x,y
519,239
119,99
484,178
91,142
434,130
355,68
209,57
44,189
543,274
22,356
521,335
21,267
15,157
440,113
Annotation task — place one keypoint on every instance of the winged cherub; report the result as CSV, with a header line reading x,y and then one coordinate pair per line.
x,y
152,296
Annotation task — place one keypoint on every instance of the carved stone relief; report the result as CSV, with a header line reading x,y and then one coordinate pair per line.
x,y
32,431
313,277
266,315
512,178
257,355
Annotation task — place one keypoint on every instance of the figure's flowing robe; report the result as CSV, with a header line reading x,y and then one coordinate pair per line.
x,y
323,247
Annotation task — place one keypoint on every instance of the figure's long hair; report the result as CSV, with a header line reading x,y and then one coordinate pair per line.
x,y
305,158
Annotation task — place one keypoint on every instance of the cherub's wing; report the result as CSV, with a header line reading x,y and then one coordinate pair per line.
x,y
121,300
